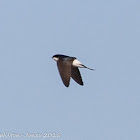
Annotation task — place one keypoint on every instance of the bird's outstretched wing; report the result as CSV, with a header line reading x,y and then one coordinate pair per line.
x,y
64,68
75,74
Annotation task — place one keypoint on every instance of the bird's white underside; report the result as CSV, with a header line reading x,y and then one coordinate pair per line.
x,y
77,63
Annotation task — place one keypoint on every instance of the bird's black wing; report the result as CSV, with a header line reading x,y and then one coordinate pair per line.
x,y
64,68
75,74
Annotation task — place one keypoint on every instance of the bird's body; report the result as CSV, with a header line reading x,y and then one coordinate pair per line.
x,y
68,67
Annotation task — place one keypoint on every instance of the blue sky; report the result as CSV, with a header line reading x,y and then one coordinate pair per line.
x,y
103,35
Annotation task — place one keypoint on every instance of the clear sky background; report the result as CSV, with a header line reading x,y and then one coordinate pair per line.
x,y
104,35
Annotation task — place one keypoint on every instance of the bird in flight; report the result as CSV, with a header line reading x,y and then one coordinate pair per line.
x,y
68,67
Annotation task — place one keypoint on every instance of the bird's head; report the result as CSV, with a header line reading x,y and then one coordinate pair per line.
x,y
56,57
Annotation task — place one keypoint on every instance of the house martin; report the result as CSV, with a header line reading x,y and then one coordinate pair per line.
x,y
68,67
